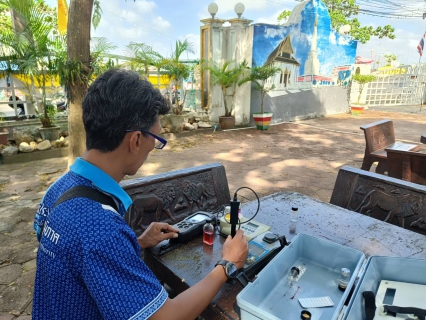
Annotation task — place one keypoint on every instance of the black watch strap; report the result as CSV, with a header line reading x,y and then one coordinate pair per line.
x,y
222,263
229,268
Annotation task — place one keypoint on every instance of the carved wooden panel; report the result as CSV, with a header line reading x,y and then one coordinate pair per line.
x,y
172,196
391,200
380,136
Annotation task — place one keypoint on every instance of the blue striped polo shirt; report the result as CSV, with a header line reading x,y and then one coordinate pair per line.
x,y
88,261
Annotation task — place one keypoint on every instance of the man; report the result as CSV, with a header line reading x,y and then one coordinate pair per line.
x,y
88,262
19,106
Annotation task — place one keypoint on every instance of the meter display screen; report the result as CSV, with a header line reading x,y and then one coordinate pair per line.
x,y
198,218
255,250
252,225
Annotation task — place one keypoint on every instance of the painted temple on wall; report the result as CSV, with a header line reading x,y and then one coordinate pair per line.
x,y
315,64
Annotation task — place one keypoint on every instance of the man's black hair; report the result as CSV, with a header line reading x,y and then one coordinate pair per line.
x,y
119,100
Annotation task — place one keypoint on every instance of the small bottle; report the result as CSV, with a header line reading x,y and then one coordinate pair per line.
x,y
227,214
295,273
208,234
345,275
293,219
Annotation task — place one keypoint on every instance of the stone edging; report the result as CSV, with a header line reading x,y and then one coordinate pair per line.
x,y
38,155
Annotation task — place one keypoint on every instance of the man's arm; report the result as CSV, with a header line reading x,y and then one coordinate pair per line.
x,y
190,303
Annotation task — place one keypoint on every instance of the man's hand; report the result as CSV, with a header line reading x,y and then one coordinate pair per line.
x,y
236,249
155,233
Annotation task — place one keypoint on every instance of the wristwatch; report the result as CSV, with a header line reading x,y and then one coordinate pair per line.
x,y
231,270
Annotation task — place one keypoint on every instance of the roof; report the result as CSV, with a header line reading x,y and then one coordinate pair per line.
x,y
284,47
363,60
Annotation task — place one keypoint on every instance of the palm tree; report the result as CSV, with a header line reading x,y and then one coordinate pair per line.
x,y
9,56
35,47
176,70
259,76
226,75
142,57
99,47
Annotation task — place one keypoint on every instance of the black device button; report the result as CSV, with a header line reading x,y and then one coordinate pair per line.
x,y
270,237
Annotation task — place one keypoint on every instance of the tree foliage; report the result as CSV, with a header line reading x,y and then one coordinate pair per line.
x,y
283,17
142,56
345,12
176,70
389,58
34,47
362,80
99,47
259,76
227,75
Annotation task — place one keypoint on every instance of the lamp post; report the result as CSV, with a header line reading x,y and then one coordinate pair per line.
x,y
239,9
213,8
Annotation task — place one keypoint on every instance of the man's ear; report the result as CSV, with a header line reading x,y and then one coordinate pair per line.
x,y
135,141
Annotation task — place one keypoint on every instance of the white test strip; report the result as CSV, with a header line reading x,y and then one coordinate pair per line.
x,y
316,302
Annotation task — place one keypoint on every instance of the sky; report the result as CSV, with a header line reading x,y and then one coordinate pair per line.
x,y
160,23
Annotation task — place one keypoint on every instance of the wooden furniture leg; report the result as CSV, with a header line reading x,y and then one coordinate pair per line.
x,y
382,166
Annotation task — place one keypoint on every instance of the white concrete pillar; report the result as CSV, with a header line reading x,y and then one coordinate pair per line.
x,y
221,43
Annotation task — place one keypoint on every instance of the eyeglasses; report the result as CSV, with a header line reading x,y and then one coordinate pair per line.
x,y
159,144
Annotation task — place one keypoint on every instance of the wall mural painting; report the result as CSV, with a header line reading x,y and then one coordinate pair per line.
x,y
309,53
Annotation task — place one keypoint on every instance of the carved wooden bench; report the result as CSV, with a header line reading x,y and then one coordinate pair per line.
x,y
388,199
379,136
407,165
172,196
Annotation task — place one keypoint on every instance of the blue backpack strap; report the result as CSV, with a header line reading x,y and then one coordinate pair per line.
x,y
87,192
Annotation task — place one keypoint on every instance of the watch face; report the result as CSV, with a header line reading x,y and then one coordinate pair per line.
x,y
231,270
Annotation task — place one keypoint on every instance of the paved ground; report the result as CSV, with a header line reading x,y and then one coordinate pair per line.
x,y
302,156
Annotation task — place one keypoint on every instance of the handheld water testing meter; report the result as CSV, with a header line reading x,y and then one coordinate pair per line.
x,y
251,229
189,228
262,249
192,226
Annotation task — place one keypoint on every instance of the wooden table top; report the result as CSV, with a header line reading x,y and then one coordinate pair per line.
x,y
188,264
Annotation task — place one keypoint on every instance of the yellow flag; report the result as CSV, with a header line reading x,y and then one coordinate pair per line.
x,y
62,16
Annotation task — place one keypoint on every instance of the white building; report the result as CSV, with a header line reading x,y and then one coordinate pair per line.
x,y
282,57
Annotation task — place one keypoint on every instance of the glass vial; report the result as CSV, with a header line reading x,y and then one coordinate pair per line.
x,y
208,234
293,219
345,275
227,214
295,273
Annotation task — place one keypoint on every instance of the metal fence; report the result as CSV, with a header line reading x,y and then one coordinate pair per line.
x,y
404,85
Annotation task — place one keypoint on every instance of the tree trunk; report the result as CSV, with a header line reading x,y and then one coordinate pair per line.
x,y
78,46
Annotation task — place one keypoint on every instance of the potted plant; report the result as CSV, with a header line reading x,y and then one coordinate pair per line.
x,y
35,51
227,76
48,131
362,80
259,76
